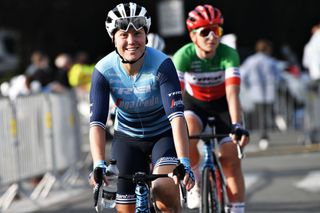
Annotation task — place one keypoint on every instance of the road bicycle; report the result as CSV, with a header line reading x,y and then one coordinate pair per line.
x,y
213,184
144,202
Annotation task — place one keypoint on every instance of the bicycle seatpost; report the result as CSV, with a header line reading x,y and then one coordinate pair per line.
x,y
211,122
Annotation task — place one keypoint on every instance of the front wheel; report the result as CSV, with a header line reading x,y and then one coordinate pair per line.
x,y
209,195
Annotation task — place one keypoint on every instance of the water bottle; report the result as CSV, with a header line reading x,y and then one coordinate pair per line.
x,y
109,191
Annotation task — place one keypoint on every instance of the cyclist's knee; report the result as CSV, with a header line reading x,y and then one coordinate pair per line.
x,y
230,164
194,123
125,208
164,187
165,209
228,152
169,207
166,195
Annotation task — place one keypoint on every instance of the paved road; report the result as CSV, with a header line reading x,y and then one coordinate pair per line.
x,y
285,183
285,178
275,183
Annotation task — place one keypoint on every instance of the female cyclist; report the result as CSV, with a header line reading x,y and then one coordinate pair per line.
x,y
209,73
149,119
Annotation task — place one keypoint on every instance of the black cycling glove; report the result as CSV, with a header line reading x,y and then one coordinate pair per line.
x,y
238,131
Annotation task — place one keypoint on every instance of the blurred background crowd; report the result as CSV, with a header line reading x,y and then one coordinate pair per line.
x,y
53,46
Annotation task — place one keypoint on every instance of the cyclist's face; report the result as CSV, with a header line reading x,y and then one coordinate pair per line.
x,y
207,38
130,44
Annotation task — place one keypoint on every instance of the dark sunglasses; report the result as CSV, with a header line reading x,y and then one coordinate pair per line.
x,y
136,22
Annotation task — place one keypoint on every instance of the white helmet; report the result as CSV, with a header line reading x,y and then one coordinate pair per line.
x,y
156,41
125,15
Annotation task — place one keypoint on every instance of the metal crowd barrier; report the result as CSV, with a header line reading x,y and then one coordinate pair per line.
x,y
39,135
296,108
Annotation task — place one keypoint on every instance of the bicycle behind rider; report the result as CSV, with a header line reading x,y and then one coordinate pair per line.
x,y
209,73
149,116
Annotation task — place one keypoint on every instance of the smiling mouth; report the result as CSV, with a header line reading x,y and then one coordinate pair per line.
x,y
132,49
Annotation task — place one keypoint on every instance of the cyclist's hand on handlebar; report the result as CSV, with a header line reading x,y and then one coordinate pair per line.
x,y
97,176
188,179
239,133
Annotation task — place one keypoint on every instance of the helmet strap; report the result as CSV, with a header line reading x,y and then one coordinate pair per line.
x,y
129,62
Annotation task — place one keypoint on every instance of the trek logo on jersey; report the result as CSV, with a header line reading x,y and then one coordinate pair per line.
x,y
175,103
128,91
208,79
205,79
175,93
122,90
142,89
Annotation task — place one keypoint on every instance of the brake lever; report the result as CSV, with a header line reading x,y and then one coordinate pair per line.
x,y
240,150
179,171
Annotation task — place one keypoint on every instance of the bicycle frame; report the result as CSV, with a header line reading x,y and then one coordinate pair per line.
x,y
211,166
142,190
211,161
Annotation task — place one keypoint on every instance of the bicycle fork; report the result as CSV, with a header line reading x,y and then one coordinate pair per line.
x,y
142,199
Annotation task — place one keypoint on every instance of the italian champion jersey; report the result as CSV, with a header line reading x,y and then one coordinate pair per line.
x,y
145,103
206,79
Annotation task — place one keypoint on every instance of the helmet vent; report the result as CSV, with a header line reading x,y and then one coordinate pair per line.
x,y
192,19
117,13
208,13
138,11
200,14
109,20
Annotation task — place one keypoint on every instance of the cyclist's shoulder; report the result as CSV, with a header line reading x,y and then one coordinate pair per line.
x,y
185,50
226,53
154,58
108,62
185,55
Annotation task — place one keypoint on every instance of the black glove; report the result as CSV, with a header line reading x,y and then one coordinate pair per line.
x,y
238,131
98,172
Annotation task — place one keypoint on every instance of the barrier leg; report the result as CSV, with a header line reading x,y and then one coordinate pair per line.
x,y
44,186
7,198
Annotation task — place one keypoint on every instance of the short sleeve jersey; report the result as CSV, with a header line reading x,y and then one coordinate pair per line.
x,y
145,103
206,79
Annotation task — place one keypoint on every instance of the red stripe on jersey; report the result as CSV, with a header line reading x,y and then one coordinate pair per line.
x,y
208,93
233,80
182,85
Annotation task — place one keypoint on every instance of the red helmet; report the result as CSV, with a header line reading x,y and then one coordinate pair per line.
x,y
204,15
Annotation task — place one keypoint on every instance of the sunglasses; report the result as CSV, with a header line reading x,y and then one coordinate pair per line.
x,y
136,22
207,31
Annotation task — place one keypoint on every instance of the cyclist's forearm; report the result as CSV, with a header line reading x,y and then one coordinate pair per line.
x,y
232,93
180,136
97,143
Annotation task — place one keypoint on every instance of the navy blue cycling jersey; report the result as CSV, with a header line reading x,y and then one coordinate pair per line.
x,y
146,103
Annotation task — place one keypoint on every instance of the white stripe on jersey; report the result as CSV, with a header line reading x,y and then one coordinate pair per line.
x,y
232,72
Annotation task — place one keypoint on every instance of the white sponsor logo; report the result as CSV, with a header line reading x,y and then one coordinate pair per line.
x,y
175,93
205,79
